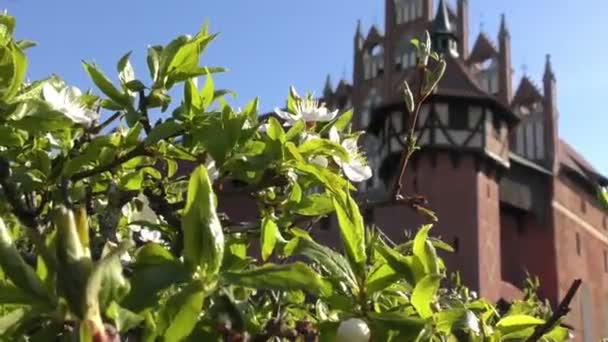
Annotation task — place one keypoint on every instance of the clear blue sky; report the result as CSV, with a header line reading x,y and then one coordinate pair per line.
x,y
271,44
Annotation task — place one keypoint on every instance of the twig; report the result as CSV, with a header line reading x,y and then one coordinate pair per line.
x,y
139,150
562,310
410,143
27,218
105,124
143,108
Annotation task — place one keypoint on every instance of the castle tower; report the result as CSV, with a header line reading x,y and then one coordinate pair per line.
x,y
463,132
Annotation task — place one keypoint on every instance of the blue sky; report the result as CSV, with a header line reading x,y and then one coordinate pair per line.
x,y
271,44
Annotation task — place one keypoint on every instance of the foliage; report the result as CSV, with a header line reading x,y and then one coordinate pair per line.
x,y
109,234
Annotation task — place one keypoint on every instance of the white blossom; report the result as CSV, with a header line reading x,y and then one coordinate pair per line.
x,y
67,101
356,168
147,235
307,109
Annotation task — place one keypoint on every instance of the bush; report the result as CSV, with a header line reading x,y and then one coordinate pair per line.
x,y
104,238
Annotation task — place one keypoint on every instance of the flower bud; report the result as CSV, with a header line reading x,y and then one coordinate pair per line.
x,y
82,226
353,330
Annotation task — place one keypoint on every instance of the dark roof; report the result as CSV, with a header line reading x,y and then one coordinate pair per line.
x,y
373,35
457,82
482,49
527,93
442,24
571,159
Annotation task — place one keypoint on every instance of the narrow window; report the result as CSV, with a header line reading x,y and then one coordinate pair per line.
x,y
583,206
605,222
456,244
605,261
578,244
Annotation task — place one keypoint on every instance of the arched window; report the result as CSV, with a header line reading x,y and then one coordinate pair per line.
x,y
367,66
405,53
408,10
377,53
487,72
373,100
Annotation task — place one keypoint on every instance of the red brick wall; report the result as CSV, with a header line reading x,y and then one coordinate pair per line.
x,y
527,245
575,213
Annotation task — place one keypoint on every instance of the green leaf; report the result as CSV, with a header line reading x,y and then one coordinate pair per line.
x,y
18,271
163,131
425,251
275,130
106,282
207,93
295,130
10,137
203,235
106,86
10,294
398,321
424,293
125,70
324,147
20,67
11,319
343,120
184,63
153,61
270,235
352,230
315,205
182,311
405,266
380,277
114,286
433,77
518,321
124,319
155,269
296,276
334,262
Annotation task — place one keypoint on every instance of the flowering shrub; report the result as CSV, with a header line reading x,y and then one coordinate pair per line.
x,y
104,238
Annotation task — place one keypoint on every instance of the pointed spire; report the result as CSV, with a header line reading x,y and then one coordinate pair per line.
x,y
504,30
359,32
549,75
441,24
328,89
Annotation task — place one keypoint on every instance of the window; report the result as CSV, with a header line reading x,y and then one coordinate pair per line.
x,y
578,244
459,116
367,66
583,206
456,244
405,53
529,141
540,143
605,222
605,261
519,143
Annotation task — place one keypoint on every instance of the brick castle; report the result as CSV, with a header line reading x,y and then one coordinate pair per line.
x,y
511,196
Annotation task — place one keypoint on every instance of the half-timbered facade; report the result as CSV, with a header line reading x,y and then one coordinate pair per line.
x,y
512,197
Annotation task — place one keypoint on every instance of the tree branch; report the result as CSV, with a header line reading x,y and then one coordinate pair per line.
x,y
410,143
139,150
143,108
562,310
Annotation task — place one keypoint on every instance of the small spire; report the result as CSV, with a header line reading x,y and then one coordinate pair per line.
x,y
549,75
441,24
359,30
328,89
504,30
